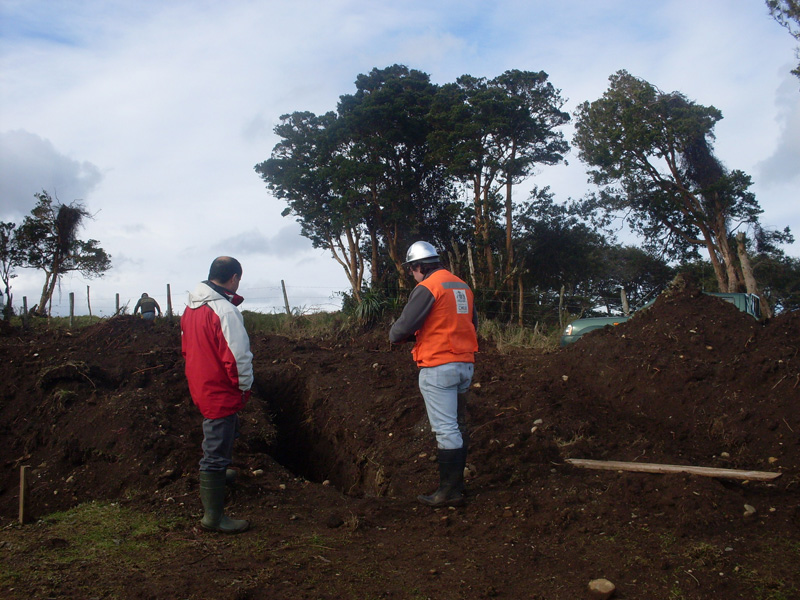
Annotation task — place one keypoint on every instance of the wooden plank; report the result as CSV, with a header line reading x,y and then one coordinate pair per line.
x,y
612,465
23,494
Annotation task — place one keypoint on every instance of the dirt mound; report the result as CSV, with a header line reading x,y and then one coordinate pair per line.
x,y
105,413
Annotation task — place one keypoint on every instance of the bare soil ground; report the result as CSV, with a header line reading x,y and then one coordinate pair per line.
x,y
335,447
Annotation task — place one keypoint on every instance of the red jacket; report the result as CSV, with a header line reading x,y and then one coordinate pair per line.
x,y
219,364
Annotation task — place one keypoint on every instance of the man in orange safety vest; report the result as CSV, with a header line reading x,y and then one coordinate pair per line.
x,y
440,317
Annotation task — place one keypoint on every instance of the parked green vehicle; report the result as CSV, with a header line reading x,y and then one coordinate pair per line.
x,y
747,303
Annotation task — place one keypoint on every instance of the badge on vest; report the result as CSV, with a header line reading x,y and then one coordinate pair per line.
x,y
462,304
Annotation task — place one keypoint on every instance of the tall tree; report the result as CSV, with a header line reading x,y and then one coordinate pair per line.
x,y
385,128
470,119
531,137
652,158
10,258
359,180
304,170
49,240
787,13
490,134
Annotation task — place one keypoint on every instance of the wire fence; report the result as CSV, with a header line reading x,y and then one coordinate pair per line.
x,y
502,305
88,301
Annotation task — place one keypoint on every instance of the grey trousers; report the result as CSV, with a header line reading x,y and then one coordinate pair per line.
x,y
218,438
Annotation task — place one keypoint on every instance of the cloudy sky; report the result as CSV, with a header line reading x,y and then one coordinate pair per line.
x,y
153,113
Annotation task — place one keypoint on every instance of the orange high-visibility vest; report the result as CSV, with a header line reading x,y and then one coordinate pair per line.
x,y
448,334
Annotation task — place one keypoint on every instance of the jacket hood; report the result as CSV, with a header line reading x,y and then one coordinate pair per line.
x,y
206,292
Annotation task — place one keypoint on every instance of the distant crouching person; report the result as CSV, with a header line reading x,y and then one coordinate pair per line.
x,y
148,306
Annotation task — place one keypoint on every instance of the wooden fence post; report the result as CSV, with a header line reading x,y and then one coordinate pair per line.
x,y
169,303
89,303
25,311
71,308
285,299
117,311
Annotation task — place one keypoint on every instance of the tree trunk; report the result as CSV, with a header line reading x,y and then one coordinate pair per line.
x,y
720,226
41,307
487,246
719,270
471,267
373,242
749,279
350,260
480,224
509,212
455,260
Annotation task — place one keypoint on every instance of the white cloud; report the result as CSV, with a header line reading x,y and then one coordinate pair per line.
x,y
286,243
783,165
30,164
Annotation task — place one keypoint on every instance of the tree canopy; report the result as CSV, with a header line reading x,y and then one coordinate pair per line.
x,y
360,175
787,13
651,156
402,159
48,240
383,170
10,259
490,135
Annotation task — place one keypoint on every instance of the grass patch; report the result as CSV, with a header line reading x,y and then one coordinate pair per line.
x,y
508,337
703,554
108,529
321,324
95,537
770,583
49,323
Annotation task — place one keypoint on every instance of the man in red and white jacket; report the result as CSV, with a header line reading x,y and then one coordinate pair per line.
x,y
219,369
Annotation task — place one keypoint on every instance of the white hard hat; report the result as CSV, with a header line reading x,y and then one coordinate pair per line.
x,y
421,251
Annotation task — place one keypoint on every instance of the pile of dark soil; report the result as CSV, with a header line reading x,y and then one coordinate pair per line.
x,y
335,447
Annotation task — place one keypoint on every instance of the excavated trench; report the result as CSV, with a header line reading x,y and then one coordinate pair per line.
x,y
300,445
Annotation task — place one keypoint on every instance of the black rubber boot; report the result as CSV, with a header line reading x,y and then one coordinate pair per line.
x,y
463,400
462,459
451,480
212,494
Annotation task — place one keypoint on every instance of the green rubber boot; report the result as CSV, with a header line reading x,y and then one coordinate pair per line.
x,y
451,480
231,475
212,494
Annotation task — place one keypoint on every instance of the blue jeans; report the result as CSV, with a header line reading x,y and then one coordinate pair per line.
x,y
440,387
218,437
149,316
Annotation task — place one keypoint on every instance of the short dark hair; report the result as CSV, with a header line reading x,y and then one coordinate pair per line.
x,y
223,268
426,267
